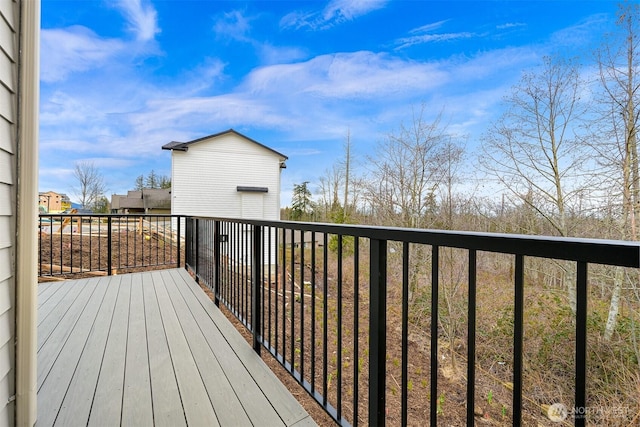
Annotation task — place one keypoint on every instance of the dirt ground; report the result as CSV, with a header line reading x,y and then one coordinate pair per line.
x,y
86,255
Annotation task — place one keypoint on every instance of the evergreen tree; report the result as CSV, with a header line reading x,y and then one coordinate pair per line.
x,y
165,182
139,182
152,180
301,204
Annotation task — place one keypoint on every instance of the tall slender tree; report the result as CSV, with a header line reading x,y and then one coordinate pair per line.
x,y
90,183
619,65
301,203
406,170
533,150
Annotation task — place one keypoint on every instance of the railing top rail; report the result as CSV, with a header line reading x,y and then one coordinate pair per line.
x,y
104,215
596,251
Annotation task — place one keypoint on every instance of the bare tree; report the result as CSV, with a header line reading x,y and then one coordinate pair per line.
x,y
534,151
619,67
90,183
452,161
347,166
406,171
340,187
329,188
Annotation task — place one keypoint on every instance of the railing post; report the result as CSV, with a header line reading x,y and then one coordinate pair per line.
x,y
378,332
178,241
581,346
256,268
196,252
216,262
188,242
109,246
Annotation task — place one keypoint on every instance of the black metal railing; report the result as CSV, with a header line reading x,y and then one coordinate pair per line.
x,y
337,306
73,244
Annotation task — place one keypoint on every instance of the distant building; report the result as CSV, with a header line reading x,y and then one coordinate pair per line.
x,y
146,201
225,175
53,202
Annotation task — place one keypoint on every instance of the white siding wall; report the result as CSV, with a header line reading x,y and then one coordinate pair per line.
x,y
205,178
8,180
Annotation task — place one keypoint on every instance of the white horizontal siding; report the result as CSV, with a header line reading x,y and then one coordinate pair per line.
x,y
6,205
8,12
8,42
6,232
6,294
6,264
7,169
6,331
205,178
6,391
8,179
6,136
7,104
7,71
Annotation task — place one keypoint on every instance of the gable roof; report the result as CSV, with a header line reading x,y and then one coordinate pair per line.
x,y
184,146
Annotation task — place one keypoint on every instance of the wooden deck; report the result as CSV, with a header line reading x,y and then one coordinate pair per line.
x,y
150,349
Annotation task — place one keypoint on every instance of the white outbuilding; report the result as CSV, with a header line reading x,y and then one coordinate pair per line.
x,y
225,175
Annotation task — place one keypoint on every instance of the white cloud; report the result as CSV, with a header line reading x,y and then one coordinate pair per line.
x,y
428,27
233,25
270,54
336,12
142,18
74,49
422,35
358,75
347,10
510,25
582,34
429,38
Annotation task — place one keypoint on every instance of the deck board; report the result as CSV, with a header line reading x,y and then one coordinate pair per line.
x,y
107,399
76,406
195,401
150,349
136,402
62,369
49,302
264,378
58,329
166,396
219,388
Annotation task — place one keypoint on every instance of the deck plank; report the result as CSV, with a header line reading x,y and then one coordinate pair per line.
x,y
221,392
243,383
287,407
60,332
136,403
196,404
167,404
77,402
57,379
56,304
150,349
107,401
47,286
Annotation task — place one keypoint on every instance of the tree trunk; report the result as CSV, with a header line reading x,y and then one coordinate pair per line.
x,y
614,306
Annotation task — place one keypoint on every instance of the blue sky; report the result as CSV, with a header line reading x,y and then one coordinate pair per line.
x,y
121,78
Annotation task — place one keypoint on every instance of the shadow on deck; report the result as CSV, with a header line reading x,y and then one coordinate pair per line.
x,y
149,349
